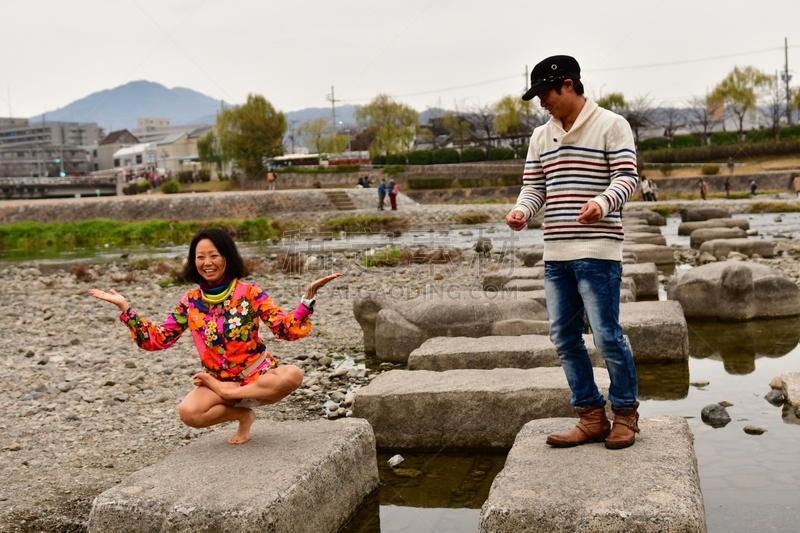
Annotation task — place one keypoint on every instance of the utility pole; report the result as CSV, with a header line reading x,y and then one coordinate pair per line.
x,y
333,101
787,78
526,78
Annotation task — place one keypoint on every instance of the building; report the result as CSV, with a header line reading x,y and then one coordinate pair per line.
x,y
151,124
173,153
102,155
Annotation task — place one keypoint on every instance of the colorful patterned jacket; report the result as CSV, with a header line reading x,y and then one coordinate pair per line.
x,y
225,334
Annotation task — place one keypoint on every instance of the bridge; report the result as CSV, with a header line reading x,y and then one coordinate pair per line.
x,y
69,187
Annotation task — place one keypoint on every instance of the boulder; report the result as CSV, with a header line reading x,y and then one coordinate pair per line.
x,y
496,280
790,387
533,256
652,487
522,351
645,279
393,328
736,290
652,218
699,236
462,409
656,330
651,253
291,477
686,228
721,248
645,238
697,214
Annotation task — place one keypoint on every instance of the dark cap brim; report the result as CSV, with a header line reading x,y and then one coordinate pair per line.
x,y
541,88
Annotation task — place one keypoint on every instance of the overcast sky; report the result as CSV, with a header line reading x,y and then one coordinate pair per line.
x,y
426,53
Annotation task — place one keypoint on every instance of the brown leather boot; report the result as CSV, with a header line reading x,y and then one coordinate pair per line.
x,y
593,426
626,426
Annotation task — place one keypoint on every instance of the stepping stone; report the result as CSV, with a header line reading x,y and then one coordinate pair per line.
x,y
291,477
533,256
625,294
645,278
699,236
529,285
720,248
651,487
656,330
462,409
699,214
686,228
791,387
652,218
522,351
645,238
497,280
641,228
651,253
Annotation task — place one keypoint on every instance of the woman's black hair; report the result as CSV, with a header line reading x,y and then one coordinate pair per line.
x,y
234,264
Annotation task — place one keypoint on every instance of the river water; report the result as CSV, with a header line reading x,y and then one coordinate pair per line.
x,y
750,483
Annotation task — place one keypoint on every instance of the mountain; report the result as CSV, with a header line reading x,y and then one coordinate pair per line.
x,y
344,114
118,108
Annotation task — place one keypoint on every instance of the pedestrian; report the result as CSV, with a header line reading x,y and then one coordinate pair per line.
x,y
728,188
222,315
653,189
730,165
753,188
392,190
381,193
796,182
703,188
645,185
271,180
582,244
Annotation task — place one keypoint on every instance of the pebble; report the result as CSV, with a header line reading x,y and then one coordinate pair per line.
x,y
754,430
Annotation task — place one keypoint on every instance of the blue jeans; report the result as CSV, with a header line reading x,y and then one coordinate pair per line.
x,y
589,286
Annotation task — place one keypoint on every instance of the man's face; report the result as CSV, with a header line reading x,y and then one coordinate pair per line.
x,y
554,103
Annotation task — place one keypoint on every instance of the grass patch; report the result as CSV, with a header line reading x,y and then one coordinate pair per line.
x,y
471,218
32,236
362,223
385,257
774,207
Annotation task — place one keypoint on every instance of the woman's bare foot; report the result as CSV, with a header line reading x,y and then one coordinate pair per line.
x,y
221,388
242,434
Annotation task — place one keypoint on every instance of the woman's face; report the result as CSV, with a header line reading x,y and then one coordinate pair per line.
x,y
209,262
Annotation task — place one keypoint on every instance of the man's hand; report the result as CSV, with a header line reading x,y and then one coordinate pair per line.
x,y
590,213
516,220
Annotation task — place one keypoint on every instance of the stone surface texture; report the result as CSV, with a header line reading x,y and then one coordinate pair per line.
x,y
790,387
699,236
686,228
651,487
291,477
656,330
721,248
651,253
652,218
645,278
523,351
462,409
495,281
645,238
736,290
699,214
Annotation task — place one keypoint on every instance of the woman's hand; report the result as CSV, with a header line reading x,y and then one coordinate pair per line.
x,y
112,296
314,286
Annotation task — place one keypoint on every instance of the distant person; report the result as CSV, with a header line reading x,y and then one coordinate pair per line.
x,y
381,193
728,188
703,188
392,191
653,189
753,188
730,165
365,182
271,180
645,190
797,187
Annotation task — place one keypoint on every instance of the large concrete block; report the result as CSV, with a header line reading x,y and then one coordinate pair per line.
x,y
636,237
720,248
686,228
652,218
656,330
522,351
698,214
640,226
495,281
645,278
651,253
699,236
291,477
462,409
651,487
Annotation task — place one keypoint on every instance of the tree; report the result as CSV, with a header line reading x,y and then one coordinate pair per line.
x,y
458,126
393,125
514,117
775,108
250,133
639,114
313,132
738,91
482,119
701,112
209,150
613,102
672,119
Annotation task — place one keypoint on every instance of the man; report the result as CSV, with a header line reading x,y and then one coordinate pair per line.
x,y
381,193
581,167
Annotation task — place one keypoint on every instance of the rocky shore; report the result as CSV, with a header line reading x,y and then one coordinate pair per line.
x,y
84,407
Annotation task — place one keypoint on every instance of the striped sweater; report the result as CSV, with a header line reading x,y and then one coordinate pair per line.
x,y
595,160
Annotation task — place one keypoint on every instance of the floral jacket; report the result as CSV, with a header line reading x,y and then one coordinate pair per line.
x,y
225,334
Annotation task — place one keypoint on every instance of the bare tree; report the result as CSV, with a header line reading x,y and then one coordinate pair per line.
x,y
672,119
639,114
700,112
482,118
775,108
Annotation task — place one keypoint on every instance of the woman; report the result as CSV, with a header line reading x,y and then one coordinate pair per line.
x,y
222,314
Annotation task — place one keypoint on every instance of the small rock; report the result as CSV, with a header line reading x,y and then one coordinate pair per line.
x,y
776,383
325,360
64,386
775,397
339,372
723,403
44,360
715,415
130,364
396,461
699,383
754,430
407,472
386,366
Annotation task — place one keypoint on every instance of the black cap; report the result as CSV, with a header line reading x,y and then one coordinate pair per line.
x,y
550,73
